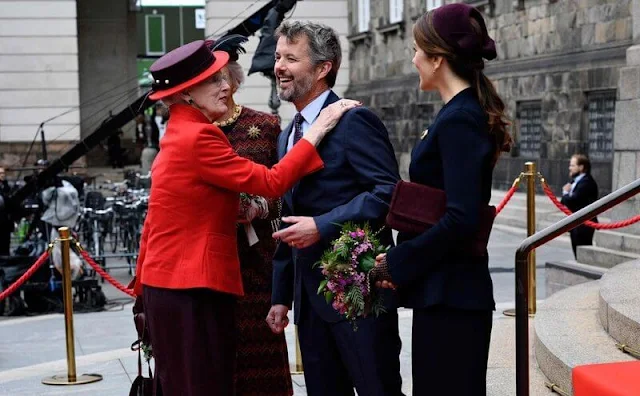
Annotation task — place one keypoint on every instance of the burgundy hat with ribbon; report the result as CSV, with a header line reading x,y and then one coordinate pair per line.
x,y
184,67
452,22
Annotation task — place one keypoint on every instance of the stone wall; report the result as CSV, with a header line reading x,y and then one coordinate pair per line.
x,y
552,52
626,167
72,60
38,74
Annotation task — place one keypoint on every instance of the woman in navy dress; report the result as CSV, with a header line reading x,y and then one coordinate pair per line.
x,y
449,288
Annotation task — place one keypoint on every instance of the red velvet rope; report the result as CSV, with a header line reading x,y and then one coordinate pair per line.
x,y
16,285
506,199
597,226
102,272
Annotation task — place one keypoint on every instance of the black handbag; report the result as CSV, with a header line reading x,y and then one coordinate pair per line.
x,y
141,386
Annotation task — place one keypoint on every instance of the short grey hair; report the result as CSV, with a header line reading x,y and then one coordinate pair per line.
x,y
237,74
324,43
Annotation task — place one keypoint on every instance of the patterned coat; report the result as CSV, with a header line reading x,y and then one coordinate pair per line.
x,y
263,364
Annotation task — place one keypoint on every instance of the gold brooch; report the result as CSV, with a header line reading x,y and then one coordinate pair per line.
x,y
424,134
254,132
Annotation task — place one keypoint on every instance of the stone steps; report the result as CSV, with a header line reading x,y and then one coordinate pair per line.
x,y
562,274
616,240
568,333
619,304
603,257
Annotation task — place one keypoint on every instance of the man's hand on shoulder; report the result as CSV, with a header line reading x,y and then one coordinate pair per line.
x,y
302,233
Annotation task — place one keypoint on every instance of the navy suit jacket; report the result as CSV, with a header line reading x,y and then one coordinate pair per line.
x,y
584,194
457,156
356,184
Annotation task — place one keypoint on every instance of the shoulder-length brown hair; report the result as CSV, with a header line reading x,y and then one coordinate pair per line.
x,y
469,68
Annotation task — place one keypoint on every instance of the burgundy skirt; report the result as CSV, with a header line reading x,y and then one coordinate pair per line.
x,y
194,341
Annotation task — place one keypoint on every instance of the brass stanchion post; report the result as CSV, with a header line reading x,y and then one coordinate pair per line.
x,y
530,168
531,174
71,378
299,369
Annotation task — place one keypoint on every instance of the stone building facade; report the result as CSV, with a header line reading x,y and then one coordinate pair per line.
x,y
64,64
558,70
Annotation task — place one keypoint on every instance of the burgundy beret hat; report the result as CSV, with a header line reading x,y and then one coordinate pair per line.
x,y
452,22
184,67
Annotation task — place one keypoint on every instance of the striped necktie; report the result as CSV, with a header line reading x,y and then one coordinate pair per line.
x,y
297,128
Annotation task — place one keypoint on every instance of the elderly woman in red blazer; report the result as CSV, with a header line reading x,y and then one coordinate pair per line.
x,y
188,271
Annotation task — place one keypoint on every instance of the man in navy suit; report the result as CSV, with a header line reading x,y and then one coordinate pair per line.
x,y
581,192
356,184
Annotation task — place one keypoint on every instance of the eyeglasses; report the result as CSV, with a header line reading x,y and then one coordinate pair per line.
x,y
219,77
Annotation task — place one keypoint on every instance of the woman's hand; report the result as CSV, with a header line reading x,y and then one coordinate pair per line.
x,y
382,271
328,118
258,207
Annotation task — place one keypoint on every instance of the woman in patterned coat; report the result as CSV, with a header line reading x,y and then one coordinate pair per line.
x,y
262,360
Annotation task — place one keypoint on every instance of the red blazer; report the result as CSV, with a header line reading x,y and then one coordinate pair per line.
x,y
189,235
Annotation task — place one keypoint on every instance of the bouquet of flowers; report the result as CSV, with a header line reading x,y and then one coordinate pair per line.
x,y
346,266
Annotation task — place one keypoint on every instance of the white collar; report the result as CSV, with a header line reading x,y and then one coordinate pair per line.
x,y
579,177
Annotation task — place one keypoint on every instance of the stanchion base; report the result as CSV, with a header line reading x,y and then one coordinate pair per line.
x,y
512,312
63,379
296,370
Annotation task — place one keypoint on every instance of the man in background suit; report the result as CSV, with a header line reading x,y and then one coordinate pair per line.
x,y
356,184
581,192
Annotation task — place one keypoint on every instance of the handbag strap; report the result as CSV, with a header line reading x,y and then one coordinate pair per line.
x,y
139,362
137,346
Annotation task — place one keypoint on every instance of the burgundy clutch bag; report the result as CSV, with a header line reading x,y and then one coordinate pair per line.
x,y
415,208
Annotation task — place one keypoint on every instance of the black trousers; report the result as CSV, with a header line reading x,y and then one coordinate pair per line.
x,y
581,236
449,353
193,340
336,358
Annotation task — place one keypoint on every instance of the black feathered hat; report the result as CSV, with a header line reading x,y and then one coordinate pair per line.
x,y
231,44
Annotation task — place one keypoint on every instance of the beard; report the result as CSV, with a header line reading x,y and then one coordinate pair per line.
x,y
298,89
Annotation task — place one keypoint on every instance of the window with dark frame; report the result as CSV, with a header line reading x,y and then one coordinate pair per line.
x,y
155,39
529,117
601,111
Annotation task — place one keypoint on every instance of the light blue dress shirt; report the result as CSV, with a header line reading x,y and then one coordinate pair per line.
x,y
309,115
